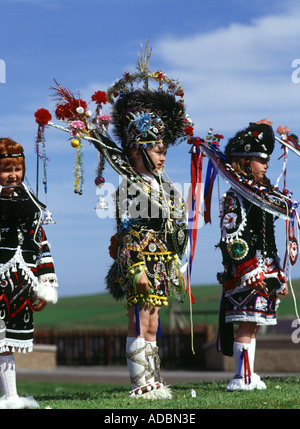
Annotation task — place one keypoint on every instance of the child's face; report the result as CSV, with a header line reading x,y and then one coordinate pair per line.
x,y
11,175
158,155
259,167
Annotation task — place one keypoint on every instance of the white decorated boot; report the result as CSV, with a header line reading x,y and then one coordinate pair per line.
x,y
10,398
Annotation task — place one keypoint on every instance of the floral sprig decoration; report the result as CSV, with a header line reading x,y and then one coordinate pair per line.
x,y
214,138
189,127
127,82
287,136
80,122
288,139
42,118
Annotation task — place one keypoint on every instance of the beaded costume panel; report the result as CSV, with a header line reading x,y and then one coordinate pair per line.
x,y
26,269
249,255
144,243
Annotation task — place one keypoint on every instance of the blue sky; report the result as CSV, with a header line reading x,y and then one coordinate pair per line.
x,y
234,60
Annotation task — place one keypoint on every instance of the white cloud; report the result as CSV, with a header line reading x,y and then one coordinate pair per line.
x,y
235,74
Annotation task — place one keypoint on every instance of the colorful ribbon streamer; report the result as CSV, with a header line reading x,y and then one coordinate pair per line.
x,y
194,205
245,357
211,174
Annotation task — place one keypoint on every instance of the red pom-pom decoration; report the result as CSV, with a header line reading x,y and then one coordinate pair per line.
x,y
42,116
100,97
189,130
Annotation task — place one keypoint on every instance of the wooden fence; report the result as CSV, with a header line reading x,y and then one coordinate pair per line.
x,y
108,347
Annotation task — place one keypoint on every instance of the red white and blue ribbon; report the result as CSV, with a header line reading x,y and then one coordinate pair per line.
x,y
193,204
245,358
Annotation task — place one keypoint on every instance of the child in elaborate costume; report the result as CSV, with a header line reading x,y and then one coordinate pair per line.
x,y
252,277
28,280
146,268
151,234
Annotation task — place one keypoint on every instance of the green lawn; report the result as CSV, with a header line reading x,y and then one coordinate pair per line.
x,y
281,393
101,311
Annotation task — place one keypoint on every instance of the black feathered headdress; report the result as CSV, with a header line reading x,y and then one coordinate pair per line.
x,y
143,117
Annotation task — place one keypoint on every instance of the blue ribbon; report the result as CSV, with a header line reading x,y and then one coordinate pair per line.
x,y
159,331
137,320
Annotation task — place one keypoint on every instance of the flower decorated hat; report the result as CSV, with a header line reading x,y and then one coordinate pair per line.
x,y
257,140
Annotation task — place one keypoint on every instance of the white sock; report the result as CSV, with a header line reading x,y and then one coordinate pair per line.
x,y
150,371
8,384
136,362
251,353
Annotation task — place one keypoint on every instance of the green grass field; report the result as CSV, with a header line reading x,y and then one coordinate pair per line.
x,y
98,312
281,393
101,311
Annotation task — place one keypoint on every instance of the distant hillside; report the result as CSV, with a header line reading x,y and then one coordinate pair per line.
x,y
101,311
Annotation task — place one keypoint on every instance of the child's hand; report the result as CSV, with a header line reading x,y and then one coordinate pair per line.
x,y
285,291
39,305
259,285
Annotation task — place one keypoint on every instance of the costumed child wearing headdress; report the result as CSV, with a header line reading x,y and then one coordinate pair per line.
x,y
28,280
252,277
152,232
146,268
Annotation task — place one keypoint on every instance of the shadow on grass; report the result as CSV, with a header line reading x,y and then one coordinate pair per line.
x,y
106,393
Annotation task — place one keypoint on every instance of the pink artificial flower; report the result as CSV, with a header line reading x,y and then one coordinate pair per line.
x,y
283,130
105,118
265,121
79,125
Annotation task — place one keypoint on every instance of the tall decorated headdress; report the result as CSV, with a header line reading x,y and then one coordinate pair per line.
x,y
147,108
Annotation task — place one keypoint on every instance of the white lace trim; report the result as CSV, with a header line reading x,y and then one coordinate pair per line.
x,y
44,286
20,346
17,261
261,321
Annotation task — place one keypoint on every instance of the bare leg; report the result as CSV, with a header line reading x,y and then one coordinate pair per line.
x,y
246,332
